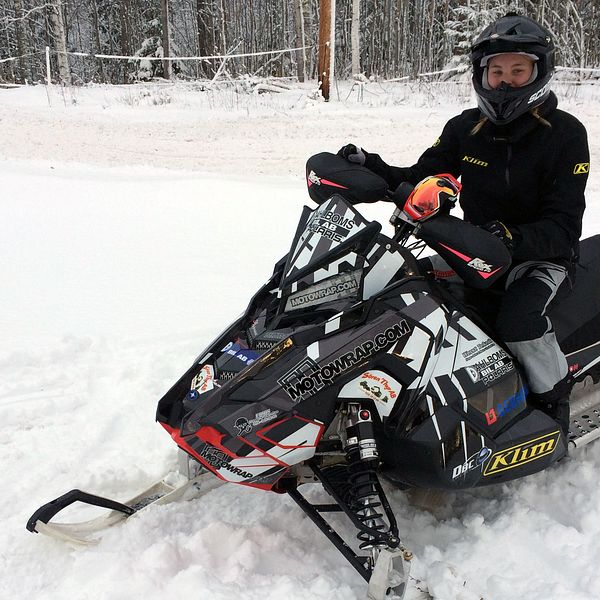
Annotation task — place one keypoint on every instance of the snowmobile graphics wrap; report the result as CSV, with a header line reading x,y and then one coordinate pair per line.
x,y
349,364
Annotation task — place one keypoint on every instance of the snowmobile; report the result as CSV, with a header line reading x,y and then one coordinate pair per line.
x,y
350,366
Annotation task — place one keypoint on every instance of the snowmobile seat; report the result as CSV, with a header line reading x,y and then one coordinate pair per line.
x,y
575,313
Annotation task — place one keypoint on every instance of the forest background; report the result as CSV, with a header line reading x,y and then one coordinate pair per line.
x,y
376,39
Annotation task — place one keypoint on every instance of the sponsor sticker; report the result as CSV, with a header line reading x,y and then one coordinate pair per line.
x,y
330,225
307,377
378,386
244,354
203,382
217,459
375,385
490,368
244,426
476,350
334,288
521,454
507,406
473,462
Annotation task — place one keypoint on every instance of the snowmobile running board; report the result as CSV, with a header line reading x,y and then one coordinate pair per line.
x,y
160,492
585,421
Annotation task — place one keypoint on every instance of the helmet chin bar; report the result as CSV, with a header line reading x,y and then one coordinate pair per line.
x,y
505,103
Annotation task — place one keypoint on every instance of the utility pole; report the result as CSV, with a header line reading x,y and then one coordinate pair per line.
x,y
165,38
326,41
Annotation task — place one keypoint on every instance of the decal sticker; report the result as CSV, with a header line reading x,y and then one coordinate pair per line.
x,y
330,225
479,265
217,459
335,288
506,407
376,385
521,454
473,462
492,367
314,179
244,354
203,382
244,426
307,378
481,347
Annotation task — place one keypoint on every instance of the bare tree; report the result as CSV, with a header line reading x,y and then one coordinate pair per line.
x,y
58,32
96,29
300,37
355,36
205,24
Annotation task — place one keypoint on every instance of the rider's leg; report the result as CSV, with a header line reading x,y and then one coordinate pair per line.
x,y
527,331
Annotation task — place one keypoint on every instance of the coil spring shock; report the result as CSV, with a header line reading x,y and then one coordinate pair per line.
x,y
364,493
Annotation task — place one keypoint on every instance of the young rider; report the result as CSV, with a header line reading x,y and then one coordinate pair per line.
x,y
523,166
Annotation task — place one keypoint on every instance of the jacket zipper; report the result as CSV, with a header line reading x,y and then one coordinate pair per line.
x,y
508,159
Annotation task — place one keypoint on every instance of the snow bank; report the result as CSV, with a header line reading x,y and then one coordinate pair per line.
x,y
117,271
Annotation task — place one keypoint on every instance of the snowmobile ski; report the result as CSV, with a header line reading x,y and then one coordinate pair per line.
x,y
79,534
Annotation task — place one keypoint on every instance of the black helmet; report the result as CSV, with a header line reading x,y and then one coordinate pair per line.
x,y
519,34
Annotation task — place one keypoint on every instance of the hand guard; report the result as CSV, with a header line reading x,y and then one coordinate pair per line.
x,y
353,154
430,195
500,230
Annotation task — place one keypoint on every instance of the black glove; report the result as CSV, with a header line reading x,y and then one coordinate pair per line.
x,y
353,154
500,230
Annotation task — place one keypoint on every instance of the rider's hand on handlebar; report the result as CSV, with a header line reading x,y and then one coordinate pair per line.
x,y
353,154
500,230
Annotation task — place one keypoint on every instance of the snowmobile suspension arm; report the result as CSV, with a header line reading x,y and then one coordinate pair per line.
x,y
312,511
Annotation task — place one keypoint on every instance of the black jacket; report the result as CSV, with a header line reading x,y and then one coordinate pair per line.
x,y
528,175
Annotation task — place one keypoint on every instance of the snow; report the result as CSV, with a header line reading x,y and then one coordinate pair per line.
x,y
135,223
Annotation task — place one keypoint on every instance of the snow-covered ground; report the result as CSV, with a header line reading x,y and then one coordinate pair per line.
x,y
135,223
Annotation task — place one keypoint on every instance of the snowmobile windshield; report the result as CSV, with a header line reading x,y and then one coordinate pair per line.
x,y
334,232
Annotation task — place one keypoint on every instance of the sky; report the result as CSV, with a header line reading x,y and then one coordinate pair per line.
x,y
135,224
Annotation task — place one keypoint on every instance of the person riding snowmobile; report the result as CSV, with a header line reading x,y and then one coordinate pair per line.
x,y
523,165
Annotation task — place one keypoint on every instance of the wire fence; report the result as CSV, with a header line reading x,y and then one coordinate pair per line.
x,y
580,74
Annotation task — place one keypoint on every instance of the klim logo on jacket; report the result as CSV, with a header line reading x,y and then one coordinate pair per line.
x,y
475,161
581,168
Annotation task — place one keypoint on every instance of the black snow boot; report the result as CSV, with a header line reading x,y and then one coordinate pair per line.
x,y
555,403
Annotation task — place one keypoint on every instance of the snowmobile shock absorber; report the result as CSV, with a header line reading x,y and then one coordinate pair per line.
x,y
365,494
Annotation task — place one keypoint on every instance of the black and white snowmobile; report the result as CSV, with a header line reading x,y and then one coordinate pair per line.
x,y
349,365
